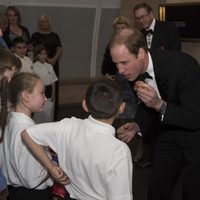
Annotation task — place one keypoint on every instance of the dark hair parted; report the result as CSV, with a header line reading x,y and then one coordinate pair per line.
x,y
18,40
37,50
19,83
133,39
7,62
146,6
103,98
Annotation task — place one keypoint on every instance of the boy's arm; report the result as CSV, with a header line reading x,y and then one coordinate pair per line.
x,y
39,152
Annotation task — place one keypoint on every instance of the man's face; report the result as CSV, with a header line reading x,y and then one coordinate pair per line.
x,y
143,18
129,65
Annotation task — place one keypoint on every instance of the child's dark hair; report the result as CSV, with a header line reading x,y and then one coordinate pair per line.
x,y
18,40
19,83
38,49
7,62
103,98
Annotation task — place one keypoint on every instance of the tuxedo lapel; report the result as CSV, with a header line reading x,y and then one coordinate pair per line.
x,y
160,76
156,36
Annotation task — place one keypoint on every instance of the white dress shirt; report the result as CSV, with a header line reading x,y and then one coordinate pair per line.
x,y
45,71
149,37
99,165
21,168
27,64
150,70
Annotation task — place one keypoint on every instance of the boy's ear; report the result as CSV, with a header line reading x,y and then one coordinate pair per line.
x,y
122,107
84,105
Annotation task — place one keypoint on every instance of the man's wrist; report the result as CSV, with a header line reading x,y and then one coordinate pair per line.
x,y
163,107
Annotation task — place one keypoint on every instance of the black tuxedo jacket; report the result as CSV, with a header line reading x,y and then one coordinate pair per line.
x,y
178,79
165,36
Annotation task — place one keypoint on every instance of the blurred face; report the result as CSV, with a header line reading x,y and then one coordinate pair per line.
x,y
44,23
129,65
143,18
37,97
119,27
4,24
42,56
12,17
9,73
20,49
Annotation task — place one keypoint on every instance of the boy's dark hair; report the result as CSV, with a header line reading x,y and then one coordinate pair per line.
x,y
18,40
103,98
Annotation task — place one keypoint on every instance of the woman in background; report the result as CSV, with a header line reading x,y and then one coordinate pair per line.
x,y
14,28
52,43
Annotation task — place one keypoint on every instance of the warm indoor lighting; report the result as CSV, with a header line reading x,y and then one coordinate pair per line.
x,y
162,13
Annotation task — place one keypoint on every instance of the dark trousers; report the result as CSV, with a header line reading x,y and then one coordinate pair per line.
x,y
175,153
22,193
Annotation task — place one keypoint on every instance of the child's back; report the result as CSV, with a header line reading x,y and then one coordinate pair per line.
x,y
98,165
96,162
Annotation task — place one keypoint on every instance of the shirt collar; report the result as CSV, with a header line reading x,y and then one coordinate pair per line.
x,y
152,26
150,66
108,129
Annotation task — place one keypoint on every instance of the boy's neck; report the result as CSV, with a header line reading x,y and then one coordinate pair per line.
x,y
107,121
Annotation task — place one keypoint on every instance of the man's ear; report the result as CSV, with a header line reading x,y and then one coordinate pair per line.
x,y
141,53
84,106
121,108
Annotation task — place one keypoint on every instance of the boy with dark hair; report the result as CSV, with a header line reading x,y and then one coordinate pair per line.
x,y
19,48
98,165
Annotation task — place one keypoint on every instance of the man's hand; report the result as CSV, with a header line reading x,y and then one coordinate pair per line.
x,y
59,175
127,131
148,95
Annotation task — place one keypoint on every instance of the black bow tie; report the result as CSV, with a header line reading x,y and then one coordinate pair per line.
x,y
143,77
148,32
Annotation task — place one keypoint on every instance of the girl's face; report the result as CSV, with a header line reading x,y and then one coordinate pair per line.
x,y
42,56
37,97
9,73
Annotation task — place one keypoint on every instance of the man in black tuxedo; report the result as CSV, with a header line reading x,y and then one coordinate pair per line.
x,y
159,34
168,105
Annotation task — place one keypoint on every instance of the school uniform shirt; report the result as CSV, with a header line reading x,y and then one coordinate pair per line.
x,y
22,169
27,64
99,166
45,71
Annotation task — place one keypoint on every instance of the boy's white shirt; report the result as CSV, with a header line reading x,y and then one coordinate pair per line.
x,y
27,64
99,165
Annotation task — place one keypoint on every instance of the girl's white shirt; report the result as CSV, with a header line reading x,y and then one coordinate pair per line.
x,y
45,71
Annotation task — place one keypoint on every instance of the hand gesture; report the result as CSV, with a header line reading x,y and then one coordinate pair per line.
x,y
127,131
59,175
148,95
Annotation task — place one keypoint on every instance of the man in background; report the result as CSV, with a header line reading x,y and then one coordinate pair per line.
x,y
161,35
